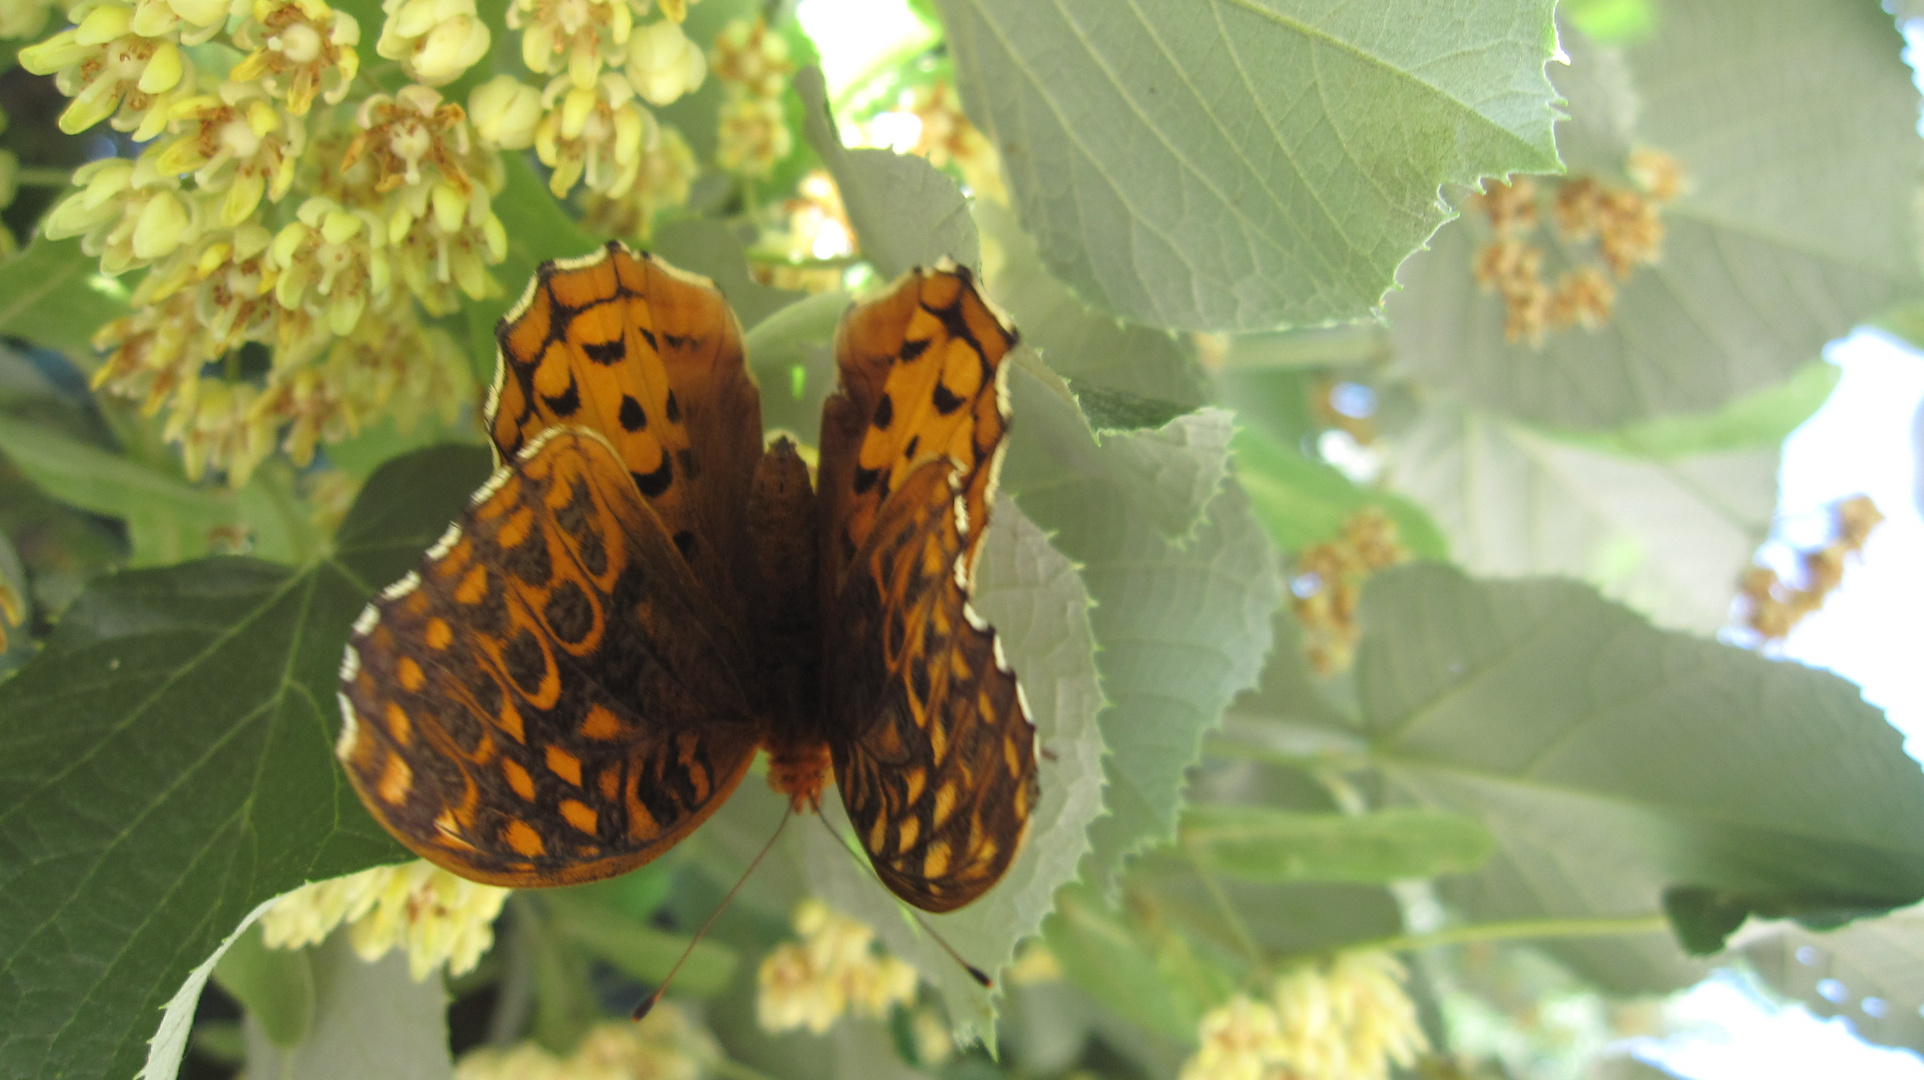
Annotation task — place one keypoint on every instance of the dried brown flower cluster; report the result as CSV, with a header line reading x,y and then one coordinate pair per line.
x,y
1773,607
753,66
1625,223
1329,581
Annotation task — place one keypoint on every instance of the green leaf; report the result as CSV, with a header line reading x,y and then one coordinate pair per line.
x,y
792,353
1261,843
1669,537
372,1022
906,212
1119,411
1102,954
1874,960
166,764
1033,597
276,986
638,950
712,249
1613,761
1791,227
52,294
1089,348
1764,418
168,519
1241,164
1184,583
1302,502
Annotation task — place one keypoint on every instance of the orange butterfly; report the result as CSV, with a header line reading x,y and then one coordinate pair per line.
x,y
641,596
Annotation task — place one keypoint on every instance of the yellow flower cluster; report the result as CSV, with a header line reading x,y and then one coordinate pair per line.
x,y
437,917
834,969
817,228
587,123
1773,607
753,66
948,137
666,1045
1329,581
1626,224
268,211
1347,1020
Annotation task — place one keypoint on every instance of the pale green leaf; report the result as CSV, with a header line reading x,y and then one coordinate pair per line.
x,y
1878,964
1764,418
712,249
1667,537
372,1022
1032,596
275,986
1613,761
906,212
1302,502
1792,226
792,353
1262,843
1079,343
1184,582
1241,164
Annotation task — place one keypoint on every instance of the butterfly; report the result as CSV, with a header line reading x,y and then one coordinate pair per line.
x,y
643,595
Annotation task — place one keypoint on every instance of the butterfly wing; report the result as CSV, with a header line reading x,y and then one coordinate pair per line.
x,y
650,358
550,699
932,745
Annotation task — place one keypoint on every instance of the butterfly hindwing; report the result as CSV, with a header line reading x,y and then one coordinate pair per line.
x,y
550,698
932,744
650,358
934,751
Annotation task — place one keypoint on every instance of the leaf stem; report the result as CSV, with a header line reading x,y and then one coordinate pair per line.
x,y
1517,930
43,177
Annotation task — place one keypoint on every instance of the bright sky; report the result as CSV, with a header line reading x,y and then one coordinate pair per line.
x,y
1865,440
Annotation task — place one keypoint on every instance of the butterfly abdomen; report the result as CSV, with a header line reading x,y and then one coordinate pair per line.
x,y
785,614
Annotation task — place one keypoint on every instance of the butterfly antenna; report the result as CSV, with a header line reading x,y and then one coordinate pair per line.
x,y
976,973
648,1003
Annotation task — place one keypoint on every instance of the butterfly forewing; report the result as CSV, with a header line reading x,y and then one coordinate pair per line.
x,y
651,359
920,368
551,697
933,747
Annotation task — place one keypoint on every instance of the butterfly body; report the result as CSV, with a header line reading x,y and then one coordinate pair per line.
x,y
643,596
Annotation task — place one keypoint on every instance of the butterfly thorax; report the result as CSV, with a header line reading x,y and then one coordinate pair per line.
x,y
787,623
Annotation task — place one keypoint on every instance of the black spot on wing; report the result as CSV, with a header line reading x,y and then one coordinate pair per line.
x,y
885,413
652,484
605,353
631,415
912,349
865,479
955,322
567,402
674,406
945,401
570,614
685,540
524,661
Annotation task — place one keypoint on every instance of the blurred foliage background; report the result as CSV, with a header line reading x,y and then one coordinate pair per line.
x,y
1396,430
